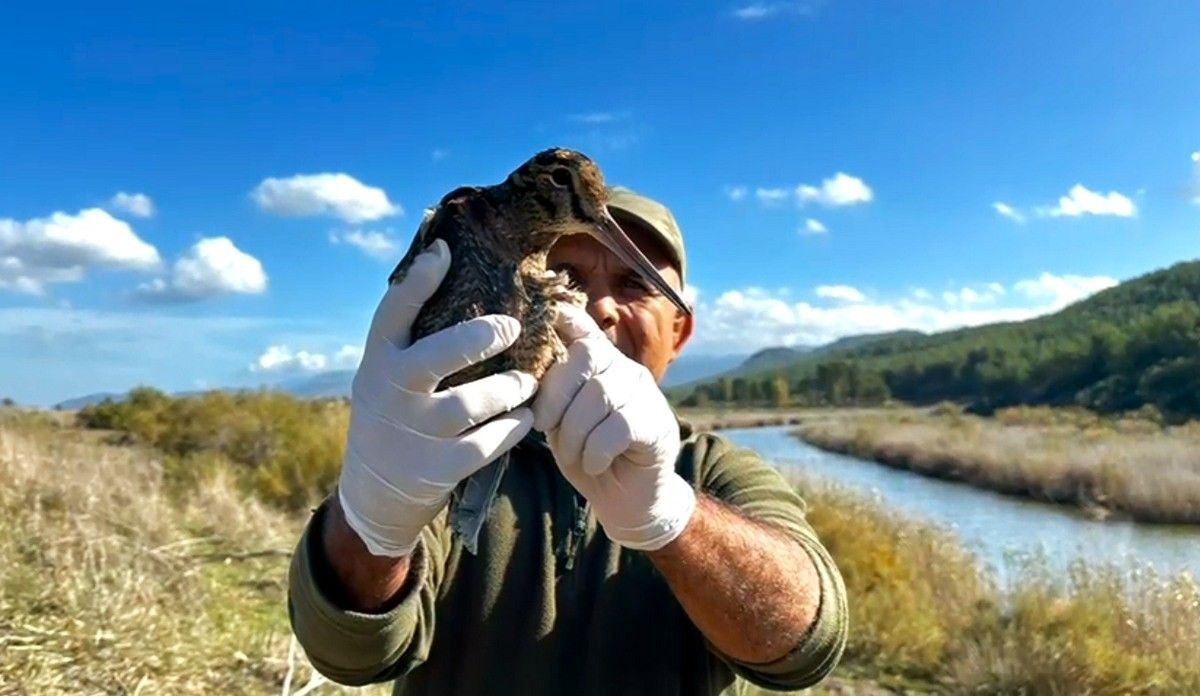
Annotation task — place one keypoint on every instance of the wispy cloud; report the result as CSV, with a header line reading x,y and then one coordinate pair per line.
x,y
281,359
136,204
841,189
772,196
332,194
61,248
603,131
1196,177
597,117
374,243
1082,201
812,226
841,293
752,318
212,267
736,193
759,11
439,154
1009,212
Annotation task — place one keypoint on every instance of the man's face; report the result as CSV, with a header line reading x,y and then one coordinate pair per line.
x,y
640,321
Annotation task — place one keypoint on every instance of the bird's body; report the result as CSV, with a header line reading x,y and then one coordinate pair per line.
x,y
488,275
499,237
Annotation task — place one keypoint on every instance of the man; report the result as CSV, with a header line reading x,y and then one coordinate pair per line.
x,y
624,555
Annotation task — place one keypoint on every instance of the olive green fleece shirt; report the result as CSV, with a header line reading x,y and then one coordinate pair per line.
x,y
551,606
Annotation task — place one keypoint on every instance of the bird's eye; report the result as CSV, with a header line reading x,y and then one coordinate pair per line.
x,y
572,276
561,177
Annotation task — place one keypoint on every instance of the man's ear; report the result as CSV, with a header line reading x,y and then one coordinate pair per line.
x,y
682,331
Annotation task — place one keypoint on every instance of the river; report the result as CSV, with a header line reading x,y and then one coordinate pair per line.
x,y
997,528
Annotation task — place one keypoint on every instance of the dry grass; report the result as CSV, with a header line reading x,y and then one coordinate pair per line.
x,y
924,614
1135,467
110,585
114,581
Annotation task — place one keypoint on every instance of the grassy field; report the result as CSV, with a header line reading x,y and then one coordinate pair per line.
x,y
1133,466
119,578
113,582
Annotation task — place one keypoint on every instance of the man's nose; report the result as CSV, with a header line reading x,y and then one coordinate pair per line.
x,y
603,308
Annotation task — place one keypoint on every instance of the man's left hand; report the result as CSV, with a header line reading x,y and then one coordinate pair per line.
x,y
614,437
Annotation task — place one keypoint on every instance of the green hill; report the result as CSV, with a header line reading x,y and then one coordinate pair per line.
x,y
1134,344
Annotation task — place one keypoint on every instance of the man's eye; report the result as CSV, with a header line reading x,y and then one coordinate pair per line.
x,y
635,282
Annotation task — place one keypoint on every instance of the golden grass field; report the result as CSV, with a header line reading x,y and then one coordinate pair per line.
x,y
119,578
1131,466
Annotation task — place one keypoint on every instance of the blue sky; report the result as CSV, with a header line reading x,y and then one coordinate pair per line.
x,y
275,158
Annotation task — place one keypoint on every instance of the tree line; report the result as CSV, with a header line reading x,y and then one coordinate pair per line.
x,y
1130,346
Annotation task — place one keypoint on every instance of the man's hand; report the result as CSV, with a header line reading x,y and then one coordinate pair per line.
x,y
614,437
409,445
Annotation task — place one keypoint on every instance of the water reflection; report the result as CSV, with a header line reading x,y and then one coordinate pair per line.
x,y
995,527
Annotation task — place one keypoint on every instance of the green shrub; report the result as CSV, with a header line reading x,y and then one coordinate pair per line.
x,y
287,451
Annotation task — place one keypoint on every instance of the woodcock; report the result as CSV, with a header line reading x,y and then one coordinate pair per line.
x,y
499,237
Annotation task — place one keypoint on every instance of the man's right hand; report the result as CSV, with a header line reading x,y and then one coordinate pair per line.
x,y
408,445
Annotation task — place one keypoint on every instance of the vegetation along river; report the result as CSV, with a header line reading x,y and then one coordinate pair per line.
x,y
997,528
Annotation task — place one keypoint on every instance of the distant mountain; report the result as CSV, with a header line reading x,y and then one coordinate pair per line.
x,y
771,358
331,384
87,400
1132,345
848,343
689,368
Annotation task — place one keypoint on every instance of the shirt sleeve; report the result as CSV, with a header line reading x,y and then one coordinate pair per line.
x,y
356,648
739,477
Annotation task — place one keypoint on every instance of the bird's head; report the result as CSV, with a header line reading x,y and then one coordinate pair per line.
x,y
560,191
557,192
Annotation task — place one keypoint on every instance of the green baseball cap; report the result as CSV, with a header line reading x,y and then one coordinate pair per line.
x,y
655,217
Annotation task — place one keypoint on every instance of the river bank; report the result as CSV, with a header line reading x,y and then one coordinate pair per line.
x,y
1125,467
97,544
704,419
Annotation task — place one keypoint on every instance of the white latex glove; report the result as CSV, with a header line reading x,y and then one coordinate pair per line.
x,y
614,437
409,446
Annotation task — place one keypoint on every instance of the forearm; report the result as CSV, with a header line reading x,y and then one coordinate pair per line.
x,y
361,581
751,590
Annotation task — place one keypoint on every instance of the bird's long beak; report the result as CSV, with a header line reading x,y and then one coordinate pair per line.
x,y
610,234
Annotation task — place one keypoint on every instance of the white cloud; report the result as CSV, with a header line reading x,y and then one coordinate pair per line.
x,y
842,293
812,226
764,10
753,318
280,358
439,154
978,295
1059,291
1009,212
841,189
348,356
772,196
62,247
338,195
1082,201
1196,178
736,193
373,243
136,204
212,266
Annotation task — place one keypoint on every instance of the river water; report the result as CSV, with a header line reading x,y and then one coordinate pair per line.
x,y
997,528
